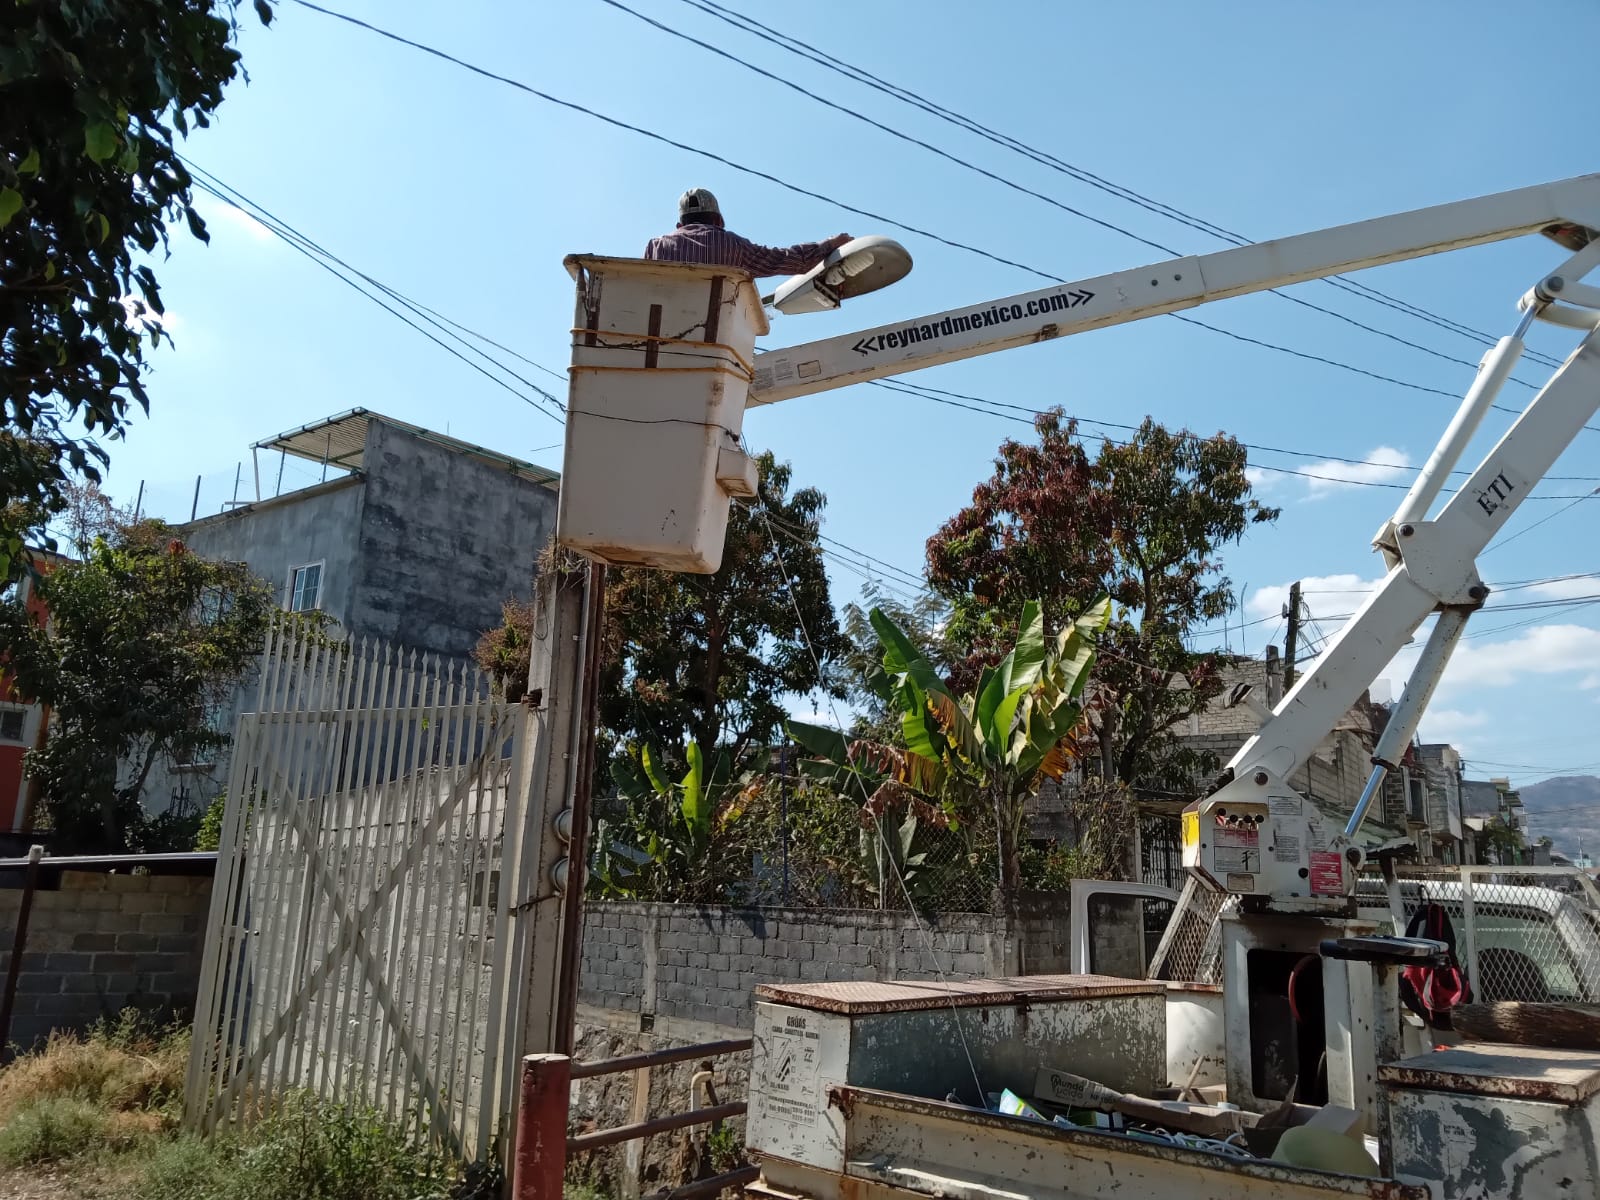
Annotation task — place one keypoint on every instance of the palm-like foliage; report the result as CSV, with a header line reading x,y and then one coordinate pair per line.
x,y
996,746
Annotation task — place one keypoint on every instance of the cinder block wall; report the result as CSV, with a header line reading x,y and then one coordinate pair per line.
x,y
699,964
102,943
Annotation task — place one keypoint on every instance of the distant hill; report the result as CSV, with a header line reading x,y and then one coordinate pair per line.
x,y
1572,803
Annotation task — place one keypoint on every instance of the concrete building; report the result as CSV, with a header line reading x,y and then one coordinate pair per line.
x,y
1440,765
416,539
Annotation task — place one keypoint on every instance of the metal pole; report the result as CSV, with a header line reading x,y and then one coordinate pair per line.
x,y
1402,726
783,802
138,503
19,942
1388,1037
541,1149
582,787
238,474
194,508
1494,370
278,487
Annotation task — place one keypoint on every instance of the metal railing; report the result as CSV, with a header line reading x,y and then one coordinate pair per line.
x,y
544,1147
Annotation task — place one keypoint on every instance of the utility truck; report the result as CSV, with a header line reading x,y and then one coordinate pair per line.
x,y
1062,1086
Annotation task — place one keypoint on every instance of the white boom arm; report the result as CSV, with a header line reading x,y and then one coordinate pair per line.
x,y
1256,836
1564,209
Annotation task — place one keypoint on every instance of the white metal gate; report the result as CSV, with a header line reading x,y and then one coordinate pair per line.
x,y
359,942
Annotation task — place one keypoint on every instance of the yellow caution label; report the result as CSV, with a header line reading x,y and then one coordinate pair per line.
x,y
1191,829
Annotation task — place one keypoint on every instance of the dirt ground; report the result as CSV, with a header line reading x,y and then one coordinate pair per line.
x,y
58,1184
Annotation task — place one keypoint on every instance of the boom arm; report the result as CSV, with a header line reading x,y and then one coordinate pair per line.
x,y
1256,836
1568,210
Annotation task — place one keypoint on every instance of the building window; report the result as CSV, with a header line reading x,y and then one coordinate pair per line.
x,y
12,723
305,588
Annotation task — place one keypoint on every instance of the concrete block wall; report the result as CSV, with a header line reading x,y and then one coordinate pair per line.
x,y
700,964
102,943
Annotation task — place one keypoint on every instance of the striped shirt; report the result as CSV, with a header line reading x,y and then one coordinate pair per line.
x,y
712,246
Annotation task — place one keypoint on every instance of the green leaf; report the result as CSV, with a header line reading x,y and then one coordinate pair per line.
x,y
102,226
1078,649
1004,715
696,812
100,140
915,724
30,164
652,771
822,740
1028,654
264,11
993,690
900,657
908,834
10,205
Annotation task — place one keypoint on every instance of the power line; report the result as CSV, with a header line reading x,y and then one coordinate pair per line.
x,y
326,260
1530,528
860,75
987,407
815,195
1319,455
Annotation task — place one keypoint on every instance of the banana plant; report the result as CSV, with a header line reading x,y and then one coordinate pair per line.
x,y
996,746
664,848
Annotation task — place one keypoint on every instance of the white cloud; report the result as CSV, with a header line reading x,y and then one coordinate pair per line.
x,y
1320,593
1384,464
1261,480
216,213
1542,650
1452,725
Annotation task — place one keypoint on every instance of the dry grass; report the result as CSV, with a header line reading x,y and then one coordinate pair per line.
x,y
109,1092
99,1116
125,1068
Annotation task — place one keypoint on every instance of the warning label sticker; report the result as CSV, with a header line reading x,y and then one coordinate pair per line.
x,y
792,1090
1327,873
1238,849
1284,806
1286,848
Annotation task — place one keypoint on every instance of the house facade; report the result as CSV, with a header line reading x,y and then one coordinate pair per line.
x,y
416,540
24,724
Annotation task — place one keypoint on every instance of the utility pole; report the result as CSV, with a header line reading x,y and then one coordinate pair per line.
x,y
553,763
1292,638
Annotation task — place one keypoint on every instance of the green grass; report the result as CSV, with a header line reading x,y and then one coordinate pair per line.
x,y
51,1130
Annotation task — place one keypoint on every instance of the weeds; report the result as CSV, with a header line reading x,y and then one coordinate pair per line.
x,y
111,1102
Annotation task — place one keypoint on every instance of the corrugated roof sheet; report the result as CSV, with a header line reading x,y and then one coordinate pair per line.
x,y
341,441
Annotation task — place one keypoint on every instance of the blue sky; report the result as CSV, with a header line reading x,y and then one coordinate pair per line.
x,y
1264,118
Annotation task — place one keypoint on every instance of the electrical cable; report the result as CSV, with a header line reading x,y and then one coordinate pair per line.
x,y
877,820
815,195
1576,500
292,239
908,385
860,75
946,397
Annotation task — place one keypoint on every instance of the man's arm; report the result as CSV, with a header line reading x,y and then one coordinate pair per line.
x,y
793,260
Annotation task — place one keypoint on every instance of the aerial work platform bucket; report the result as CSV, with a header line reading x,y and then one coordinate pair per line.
x,y
662,357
